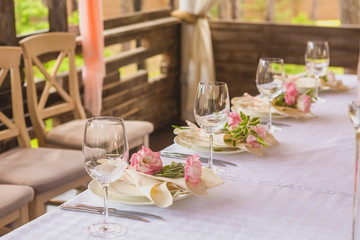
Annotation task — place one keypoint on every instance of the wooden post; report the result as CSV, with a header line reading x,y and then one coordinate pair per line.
x,y
57,15
7,23
137,7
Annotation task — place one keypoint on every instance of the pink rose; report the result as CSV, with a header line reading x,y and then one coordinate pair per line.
x,y
251,139
234,119
291,93
303,103
193,169
146,161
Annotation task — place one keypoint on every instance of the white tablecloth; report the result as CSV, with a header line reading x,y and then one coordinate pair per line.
x,y
300,189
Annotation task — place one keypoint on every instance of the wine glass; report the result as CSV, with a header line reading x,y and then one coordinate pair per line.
x,y
211,109
354,114
269,81
105,153
317,61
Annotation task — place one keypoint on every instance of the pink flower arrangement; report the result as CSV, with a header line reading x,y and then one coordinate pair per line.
x,y
149,162
291,94
234,119
304,103
241,128
251,139
193,169
146,161
293,99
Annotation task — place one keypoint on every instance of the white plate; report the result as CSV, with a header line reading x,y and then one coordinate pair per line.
x,y
253,112
126,193
203,146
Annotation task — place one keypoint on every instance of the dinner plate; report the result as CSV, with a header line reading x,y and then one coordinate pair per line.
x,y
256,112
126,193
200,145
306,83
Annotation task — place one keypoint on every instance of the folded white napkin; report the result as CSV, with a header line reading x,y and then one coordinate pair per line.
x,y
160,189
255,106
301,80
201,138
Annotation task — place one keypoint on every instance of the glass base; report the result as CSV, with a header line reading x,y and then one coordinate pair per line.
x,y
106,230
318,100
272,129
218,170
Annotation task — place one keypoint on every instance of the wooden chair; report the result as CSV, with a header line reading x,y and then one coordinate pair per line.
x,y
14,210
68,134
50,172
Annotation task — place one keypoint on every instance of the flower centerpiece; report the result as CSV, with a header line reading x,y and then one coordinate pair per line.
x,y
293,101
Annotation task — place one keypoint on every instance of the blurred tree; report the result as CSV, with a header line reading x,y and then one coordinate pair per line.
x,y
30,15
349,11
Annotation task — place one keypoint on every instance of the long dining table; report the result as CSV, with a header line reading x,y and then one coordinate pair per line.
x,y
302,188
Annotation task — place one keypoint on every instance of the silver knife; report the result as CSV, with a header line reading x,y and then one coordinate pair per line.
x,y
114,210
202,159
88,210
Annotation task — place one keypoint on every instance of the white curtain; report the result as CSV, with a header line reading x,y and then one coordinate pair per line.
x,y
197,53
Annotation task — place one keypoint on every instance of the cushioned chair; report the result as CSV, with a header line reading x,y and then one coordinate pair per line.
x,y
14,206
50,172
69,134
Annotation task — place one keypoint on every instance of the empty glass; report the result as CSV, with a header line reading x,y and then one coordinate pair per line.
x,y
211,109
270,83
354,114
317,60
105,153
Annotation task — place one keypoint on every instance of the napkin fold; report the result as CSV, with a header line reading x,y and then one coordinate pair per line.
x,y
201,138
255,106
160,190
302,81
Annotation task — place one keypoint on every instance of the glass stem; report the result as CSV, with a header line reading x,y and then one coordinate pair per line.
x,y
269,123
211,147
316,86
106,210
356,214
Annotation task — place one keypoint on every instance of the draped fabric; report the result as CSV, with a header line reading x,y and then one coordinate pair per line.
x,y
91,29
197,53
358,77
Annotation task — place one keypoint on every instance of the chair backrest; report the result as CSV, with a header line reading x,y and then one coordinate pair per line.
x,y
10,61
33,48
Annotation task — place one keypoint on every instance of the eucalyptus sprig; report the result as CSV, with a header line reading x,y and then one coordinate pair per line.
x,y
234,136
173,170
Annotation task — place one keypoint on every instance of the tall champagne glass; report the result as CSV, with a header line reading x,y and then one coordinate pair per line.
x,y
270,82
105,153
354,114
317,60
210,110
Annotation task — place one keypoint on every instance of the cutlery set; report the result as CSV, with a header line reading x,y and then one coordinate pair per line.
x,y
135,215
183,156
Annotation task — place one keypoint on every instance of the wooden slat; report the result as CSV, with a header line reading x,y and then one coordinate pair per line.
x,y
132,18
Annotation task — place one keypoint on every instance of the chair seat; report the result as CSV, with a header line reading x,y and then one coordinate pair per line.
x,y
42,169
14,197
70,134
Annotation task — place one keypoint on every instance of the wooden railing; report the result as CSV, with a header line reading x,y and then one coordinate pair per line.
x,y
239,45
136,95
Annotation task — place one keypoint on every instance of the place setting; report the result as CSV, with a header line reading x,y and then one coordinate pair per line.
x,y
140,180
